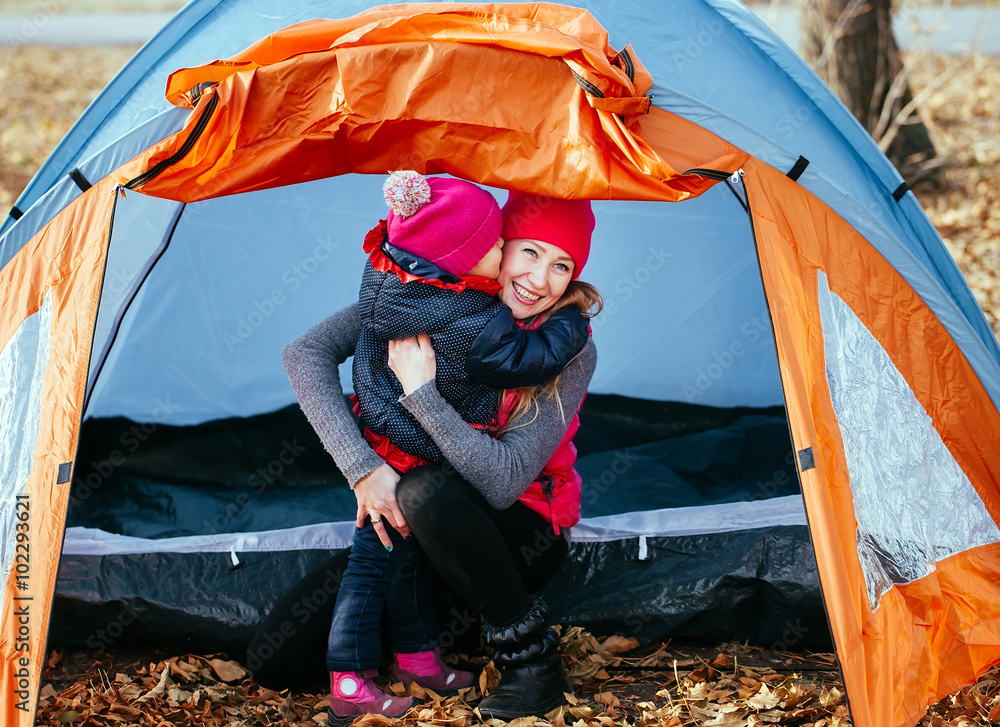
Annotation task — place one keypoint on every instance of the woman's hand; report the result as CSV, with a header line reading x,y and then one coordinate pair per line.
x,y
376,494
412,360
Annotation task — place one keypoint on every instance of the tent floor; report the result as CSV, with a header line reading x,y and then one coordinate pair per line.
x,y
270,472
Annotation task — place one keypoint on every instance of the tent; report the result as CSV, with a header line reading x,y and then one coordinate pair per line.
x,y
797,392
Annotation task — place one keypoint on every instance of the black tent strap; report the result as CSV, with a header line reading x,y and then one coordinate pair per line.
x,y
81,181
900,191
65,471
806,459
16,213
587,85
800,166
627,65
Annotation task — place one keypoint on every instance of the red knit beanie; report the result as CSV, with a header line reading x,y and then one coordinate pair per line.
x,y
565,223
450,222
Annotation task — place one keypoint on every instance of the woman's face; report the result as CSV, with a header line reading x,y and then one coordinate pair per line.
x,y
534,275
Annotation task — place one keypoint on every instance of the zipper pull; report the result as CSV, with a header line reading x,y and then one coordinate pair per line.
x,y
736,176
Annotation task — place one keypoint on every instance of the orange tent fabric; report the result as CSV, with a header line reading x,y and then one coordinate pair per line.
x,y
73,248
309,103
936,634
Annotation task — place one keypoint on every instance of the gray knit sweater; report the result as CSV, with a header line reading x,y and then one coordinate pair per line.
x,y
501,469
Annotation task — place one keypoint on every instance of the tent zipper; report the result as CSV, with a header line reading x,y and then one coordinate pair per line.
x,y
717,174
193,137
548,487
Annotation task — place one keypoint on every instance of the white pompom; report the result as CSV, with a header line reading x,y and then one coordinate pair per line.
x,y
406,192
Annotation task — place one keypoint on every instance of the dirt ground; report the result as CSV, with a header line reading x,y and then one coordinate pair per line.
x,y
45,90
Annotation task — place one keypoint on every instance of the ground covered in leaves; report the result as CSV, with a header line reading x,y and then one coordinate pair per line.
x,y
615,683
45,90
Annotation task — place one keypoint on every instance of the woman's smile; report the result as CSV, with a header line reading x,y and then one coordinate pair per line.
x,y
525,293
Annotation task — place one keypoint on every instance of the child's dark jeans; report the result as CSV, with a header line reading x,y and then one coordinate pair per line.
x,y
400,582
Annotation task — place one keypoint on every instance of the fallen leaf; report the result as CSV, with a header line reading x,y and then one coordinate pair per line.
x,y
764,699
617,644
160,687
523,722
607,699
698,692
227,671
126,711
721,661
176,694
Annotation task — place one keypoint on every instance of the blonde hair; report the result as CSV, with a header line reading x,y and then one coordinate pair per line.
x,y
586,299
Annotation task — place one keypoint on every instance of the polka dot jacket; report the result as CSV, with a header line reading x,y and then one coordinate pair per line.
x,y
479,347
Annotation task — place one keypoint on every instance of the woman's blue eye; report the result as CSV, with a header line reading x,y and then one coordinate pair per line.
x,y
530,251
563,267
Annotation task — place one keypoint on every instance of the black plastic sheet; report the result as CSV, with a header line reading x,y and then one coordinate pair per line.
x,y
270,472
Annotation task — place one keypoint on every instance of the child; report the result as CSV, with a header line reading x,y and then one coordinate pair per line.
x,y
432,269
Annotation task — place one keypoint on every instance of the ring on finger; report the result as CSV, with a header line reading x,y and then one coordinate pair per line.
x,y
376,519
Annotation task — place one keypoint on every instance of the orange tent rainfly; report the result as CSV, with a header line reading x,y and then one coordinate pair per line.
x,y
793,373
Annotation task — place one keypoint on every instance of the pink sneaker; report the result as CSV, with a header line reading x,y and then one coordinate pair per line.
x,y
430,671
353,694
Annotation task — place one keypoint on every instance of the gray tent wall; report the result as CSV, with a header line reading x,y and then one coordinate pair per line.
x,y
200,298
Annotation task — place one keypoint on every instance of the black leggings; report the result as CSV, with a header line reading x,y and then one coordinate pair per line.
x,y
492,558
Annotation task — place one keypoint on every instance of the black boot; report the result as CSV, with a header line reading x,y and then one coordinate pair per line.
x,y
533,679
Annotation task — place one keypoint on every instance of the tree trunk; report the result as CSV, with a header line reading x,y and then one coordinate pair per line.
x,y
851,46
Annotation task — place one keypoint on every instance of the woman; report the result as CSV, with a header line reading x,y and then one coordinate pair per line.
x,y
478,520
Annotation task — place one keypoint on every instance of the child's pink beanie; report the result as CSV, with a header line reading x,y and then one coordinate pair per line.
x,y
450,222
565,223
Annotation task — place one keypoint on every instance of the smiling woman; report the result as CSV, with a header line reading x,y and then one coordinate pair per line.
x,y
504,490
425,276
